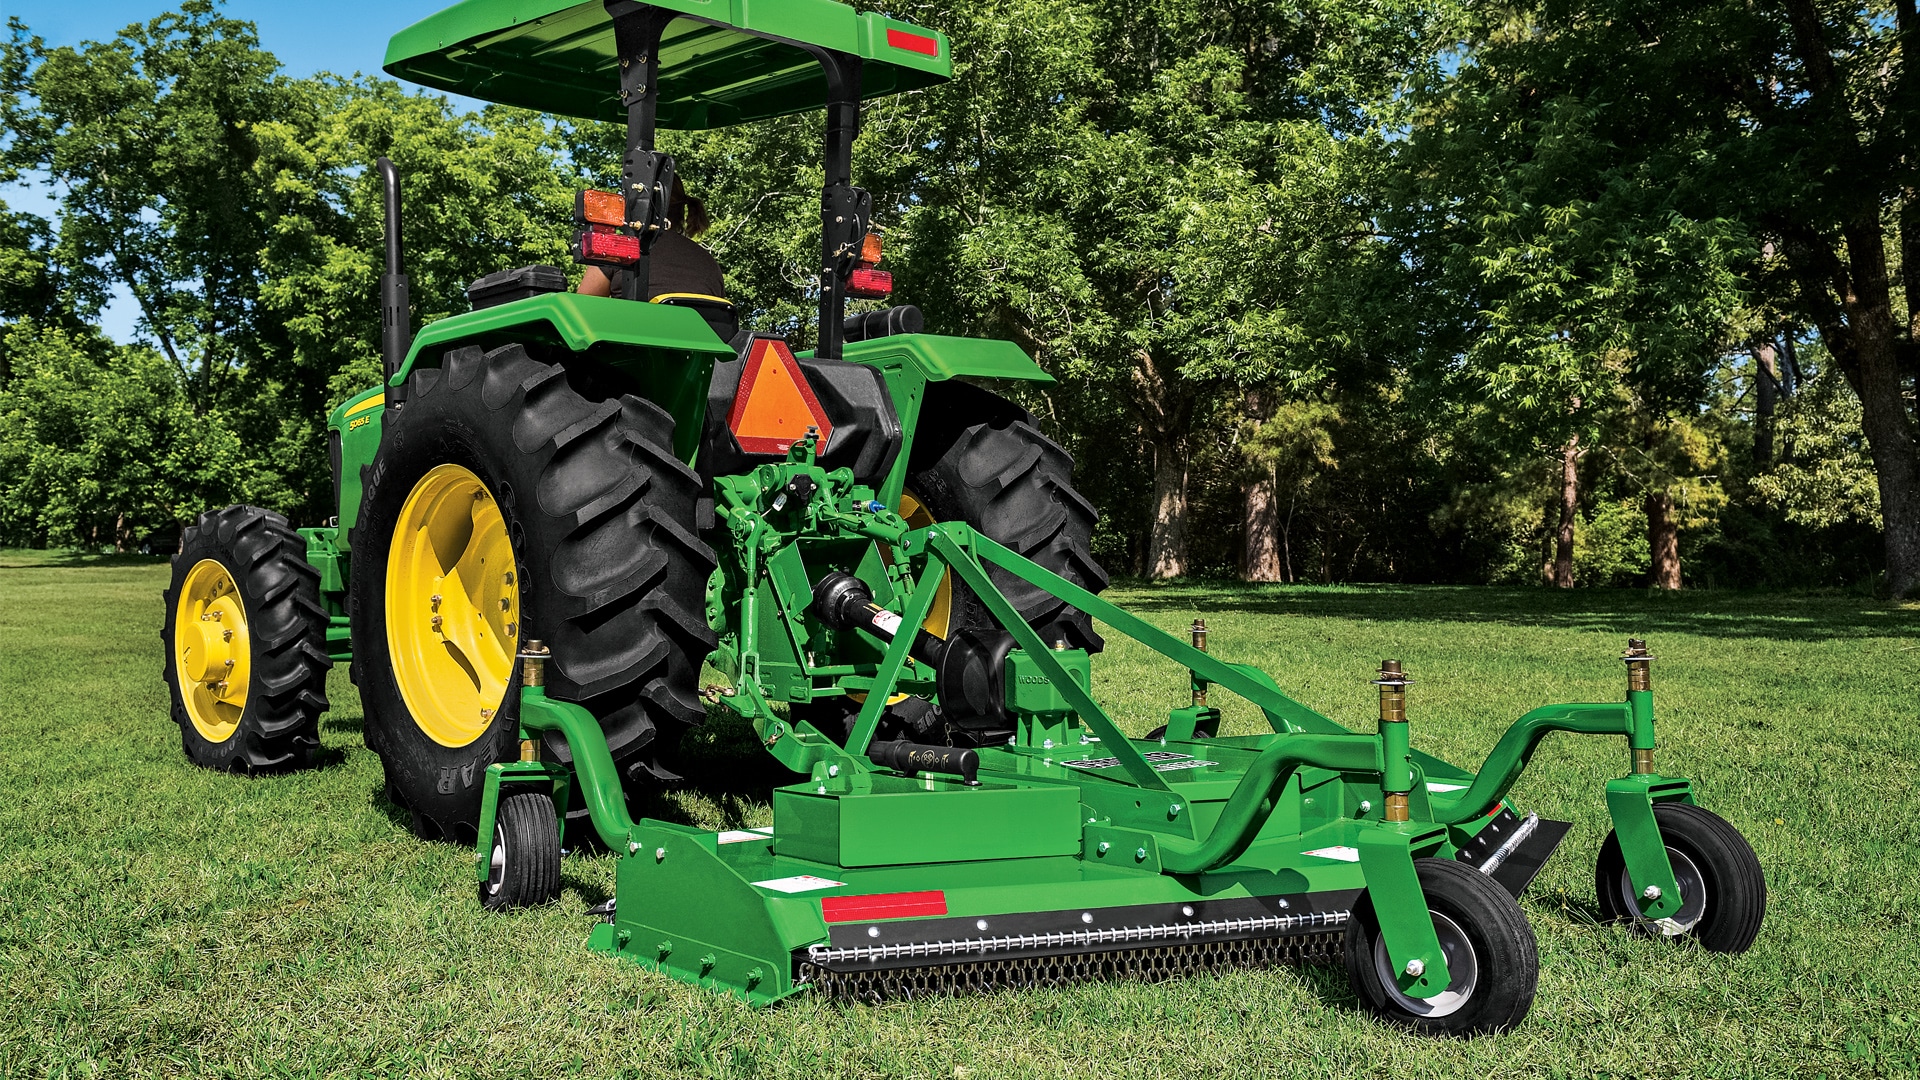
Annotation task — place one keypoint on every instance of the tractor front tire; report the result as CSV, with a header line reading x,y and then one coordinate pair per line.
x,y
1491,957
246,643
513,500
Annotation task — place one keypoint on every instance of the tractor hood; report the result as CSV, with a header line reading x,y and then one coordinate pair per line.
x,y
727,62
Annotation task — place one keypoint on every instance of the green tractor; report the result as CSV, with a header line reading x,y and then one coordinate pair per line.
x,y
557,507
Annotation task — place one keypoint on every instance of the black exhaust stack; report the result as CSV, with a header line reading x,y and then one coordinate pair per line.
x,y
396,330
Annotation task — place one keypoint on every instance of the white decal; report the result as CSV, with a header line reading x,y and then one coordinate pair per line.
x,y
1341,854
798,883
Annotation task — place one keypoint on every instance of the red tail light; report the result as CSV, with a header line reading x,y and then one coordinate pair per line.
x,y
601,244
869,284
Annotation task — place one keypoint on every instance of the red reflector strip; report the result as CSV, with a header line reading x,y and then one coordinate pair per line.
x,y
599,244
869,283
899,905
920,43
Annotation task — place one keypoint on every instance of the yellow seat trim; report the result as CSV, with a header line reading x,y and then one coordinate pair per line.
x,y
702,297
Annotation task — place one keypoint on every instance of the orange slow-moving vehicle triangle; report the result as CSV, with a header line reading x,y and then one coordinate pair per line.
x,y
774,405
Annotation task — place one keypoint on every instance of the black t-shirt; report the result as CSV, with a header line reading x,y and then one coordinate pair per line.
x,y
678,265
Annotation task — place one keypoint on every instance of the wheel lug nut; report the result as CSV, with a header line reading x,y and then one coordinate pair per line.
x,y
436,622
226,635
1651,892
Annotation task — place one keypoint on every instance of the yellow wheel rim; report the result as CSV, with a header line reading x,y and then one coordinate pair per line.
x,y
211,650
453,606
940,615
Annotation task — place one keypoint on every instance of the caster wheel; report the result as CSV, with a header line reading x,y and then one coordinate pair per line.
x,y
1722,890
524,869
1490,955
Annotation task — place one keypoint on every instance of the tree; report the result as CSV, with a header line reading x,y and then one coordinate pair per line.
x,y
98,443
1150,198
1563,263
1795,119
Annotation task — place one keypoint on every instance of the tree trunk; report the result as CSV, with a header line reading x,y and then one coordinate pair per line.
x,y
122,536
1663,541
1867,348
1262,552
1569,507
1766,385
1167,544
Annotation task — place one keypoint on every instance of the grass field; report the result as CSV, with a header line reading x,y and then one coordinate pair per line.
x,y
159,920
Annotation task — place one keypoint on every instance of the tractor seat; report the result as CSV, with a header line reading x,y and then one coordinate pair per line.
x,y
717,310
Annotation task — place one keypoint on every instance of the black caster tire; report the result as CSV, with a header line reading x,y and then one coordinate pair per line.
x,y
1489,948
1722,888
524,869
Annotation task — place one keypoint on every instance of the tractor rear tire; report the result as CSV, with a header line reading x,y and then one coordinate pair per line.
x,y
245,643
575,495
981,459
1490,951
1723,891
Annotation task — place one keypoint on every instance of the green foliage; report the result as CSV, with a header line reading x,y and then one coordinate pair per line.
x,y
99,444
1824,476
1610,545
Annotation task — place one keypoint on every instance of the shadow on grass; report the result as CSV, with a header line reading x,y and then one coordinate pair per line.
x,y
1786,616
36,559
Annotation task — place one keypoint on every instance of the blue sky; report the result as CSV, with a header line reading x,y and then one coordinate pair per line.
x,y
341,36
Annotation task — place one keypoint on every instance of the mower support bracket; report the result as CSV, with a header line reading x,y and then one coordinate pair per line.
x,y
1393,890
1630,801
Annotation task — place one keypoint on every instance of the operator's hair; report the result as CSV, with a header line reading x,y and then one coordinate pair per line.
x,y
688,213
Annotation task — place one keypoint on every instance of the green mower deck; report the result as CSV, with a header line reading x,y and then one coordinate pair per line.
x,y
1072,851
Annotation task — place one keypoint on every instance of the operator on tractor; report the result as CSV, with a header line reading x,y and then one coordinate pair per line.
x,y
678,267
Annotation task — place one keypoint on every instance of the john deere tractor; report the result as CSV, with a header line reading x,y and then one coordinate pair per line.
x,y
557,507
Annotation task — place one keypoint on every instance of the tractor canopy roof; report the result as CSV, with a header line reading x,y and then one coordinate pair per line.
x,y
726,62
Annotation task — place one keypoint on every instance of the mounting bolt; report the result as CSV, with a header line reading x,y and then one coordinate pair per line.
x,y
1047,745
633,847
1139,854
1416,967
1366,805
659,854
533,663
1173,811
1651,892
833,770
1104,846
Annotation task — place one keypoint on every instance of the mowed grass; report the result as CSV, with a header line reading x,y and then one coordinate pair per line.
x,y
160,920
